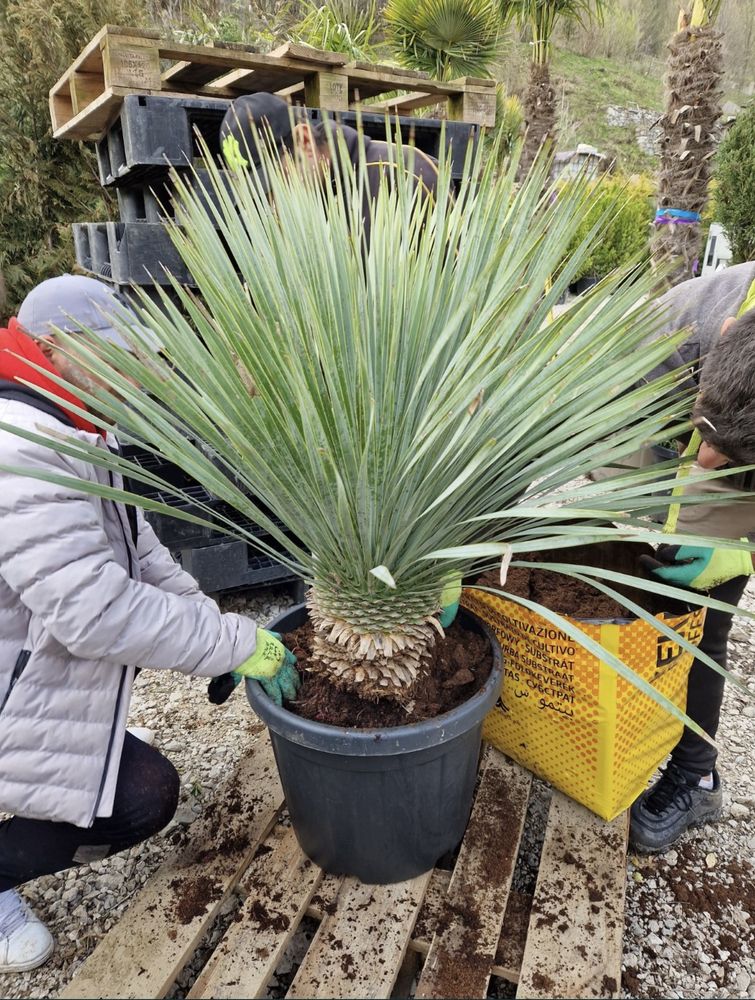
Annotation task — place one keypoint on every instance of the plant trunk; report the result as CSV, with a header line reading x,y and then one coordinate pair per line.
x,y
690,137
539,114
373,663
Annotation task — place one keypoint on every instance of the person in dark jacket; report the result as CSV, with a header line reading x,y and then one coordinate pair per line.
x,y
715,360
305,146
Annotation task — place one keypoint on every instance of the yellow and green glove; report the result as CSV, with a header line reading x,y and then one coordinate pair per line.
x,y
449,599
271,664
696,567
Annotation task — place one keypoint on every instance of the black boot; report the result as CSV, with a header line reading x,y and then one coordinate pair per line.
x,y
671,806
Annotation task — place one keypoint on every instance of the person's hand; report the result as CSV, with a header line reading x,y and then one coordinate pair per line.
x,y
273,666
696,567
449,599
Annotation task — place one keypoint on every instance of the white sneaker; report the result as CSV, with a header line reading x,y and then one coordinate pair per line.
x,y
25,942
142,733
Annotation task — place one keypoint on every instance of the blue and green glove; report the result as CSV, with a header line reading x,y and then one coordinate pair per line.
x,y
271,664
449,600
696,567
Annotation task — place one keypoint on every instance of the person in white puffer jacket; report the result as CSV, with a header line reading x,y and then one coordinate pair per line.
x,y
87,595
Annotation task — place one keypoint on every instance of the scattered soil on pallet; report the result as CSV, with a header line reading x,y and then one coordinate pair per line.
x,y
490,846
193,897
460,665
542,982
262,916
568,596
227,828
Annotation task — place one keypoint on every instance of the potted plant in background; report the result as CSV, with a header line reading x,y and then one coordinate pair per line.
x,y
409,410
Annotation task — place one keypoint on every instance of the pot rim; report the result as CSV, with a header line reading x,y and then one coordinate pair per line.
x,y
387,740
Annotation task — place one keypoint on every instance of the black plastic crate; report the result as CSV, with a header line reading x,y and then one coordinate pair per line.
x,y
230,565
152,201
175,533
129,253
216,561
152,134
132,293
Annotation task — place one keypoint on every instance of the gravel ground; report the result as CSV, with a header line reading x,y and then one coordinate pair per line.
x,y
690,922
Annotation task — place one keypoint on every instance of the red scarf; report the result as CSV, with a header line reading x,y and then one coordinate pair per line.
x,y
16,350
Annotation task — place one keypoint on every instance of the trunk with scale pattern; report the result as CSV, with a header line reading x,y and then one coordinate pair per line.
x,y
690,137
378,659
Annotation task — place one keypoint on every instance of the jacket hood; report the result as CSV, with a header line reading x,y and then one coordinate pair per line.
x,y
18,353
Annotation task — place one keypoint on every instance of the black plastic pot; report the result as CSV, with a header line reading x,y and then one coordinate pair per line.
x,y
380,804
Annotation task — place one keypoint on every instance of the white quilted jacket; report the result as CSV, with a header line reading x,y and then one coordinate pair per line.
x,y
80,608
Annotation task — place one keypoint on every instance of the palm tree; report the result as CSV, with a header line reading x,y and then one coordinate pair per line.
x,y
408,409
445,38
538,19
690,136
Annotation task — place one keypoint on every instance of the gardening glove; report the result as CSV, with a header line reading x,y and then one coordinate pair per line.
x,y
696,567
449,599
271,664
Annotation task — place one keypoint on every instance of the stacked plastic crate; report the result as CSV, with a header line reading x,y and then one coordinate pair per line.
x,y
151,137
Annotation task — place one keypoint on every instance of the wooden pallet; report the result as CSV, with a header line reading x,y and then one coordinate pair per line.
x,y
120,61
448,932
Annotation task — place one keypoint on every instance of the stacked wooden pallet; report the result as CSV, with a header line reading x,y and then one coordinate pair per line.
x,y
121,61
443,934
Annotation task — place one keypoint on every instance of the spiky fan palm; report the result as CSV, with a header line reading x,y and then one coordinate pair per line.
x,y
406,409
445,38
538,19
689,126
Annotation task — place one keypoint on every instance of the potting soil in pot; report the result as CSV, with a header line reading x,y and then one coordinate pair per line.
x,y
565,713
460,665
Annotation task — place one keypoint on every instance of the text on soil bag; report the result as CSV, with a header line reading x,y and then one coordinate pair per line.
x,y
539,660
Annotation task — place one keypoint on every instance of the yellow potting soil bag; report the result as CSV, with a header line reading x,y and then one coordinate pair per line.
x,y
568,717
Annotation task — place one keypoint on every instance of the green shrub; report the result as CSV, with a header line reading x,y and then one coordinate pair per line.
x,y
45,184
346,26
625,234
735,186
509,123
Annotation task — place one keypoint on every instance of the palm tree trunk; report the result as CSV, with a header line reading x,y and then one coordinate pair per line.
x,y
690,136
539,114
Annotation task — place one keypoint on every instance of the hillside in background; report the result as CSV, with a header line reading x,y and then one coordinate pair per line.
x,y
608,78
589,85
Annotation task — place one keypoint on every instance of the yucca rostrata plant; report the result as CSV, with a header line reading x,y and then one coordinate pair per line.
x,y
408,409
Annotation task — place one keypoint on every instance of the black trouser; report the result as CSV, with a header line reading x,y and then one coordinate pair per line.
x,y
146,797
706,688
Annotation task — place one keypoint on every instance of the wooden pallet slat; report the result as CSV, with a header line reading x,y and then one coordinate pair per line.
x,y
127,59
145,952
358,950
280,885
576,926
510,950
466,925
463,949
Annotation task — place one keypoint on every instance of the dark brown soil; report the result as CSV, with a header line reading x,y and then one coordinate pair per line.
x,y
731,884
568,596
262,916
194,896
490,844
460,665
